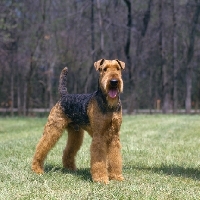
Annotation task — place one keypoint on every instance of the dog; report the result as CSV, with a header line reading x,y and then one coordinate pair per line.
x,y
98,113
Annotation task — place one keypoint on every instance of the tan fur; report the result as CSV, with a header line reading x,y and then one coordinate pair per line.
x,y
104,128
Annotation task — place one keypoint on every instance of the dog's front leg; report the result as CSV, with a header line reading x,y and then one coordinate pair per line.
x,y
98,152
115,159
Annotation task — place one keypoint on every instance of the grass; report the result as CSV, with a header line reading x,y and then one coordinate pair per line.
x,y
161,155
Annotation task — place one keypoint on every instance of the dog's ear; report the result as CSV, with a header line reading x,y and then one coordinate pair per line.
x,y
121,64
98,64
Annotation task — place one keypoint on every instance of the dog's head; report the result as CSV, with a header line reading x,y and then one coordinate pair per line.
x,y
110,80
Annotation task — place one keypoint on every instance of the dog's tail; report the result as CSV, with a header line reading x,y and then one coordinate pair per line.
x,y
63,82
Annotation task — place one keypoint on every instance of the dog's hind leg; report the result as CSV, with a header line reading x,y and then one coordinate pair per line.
x,y
74,142
53,130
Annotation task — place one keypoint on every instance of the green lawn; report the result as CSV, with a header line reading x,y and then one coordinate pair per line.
x,y
161,156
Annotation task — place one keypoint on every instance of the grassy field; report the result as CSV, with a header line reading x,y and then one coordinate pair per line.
x,y
161,156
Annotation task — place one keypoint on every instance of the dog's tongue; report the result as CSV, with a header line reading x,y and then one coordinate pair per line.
x,y
112,93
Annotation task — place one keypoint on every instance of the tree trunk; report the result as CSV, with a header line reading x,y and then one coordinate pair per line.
x,y
175,59
190,54
188,89
19,94
165,84
28,85
101,27
128,58
12,91
166,92
150,89
166,48
50,75
92,31
89,77
25,98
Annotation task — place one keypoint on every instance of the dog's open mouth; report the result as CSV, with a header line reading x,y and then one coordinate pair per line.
x,y
113,92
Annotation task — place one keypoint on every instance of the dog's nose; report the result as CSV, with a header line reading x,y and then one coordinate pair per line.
x,y
113,82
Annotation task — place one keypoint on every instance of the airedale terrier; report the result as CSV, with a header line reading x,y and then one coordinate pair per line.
x,y
99,113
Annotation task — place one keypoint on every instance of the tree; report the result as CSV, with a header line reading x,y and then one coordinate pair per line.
x,y
190,53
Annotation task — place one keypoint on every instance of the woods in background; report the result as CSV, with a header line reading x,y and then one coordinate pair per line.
x,y
159,40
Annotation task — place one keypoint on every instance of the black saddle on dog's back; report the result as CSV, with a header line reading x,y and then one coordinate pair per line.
x,y
75,107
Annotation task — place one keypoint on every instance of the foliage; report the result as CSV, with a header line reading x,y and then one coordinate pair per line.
x,y
160,153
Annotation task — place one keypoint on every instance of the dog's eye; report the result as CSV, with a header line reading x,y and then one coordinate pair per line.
x,y
105,69
118,68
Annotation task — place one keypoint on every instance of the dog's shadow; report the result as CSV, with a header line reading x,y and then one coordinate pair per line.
x,y
83,173
171,170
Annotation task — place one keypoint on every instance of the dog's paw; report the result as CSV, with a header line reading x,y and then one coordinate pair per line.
x,y
37,170
104,180
116,177
37,167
